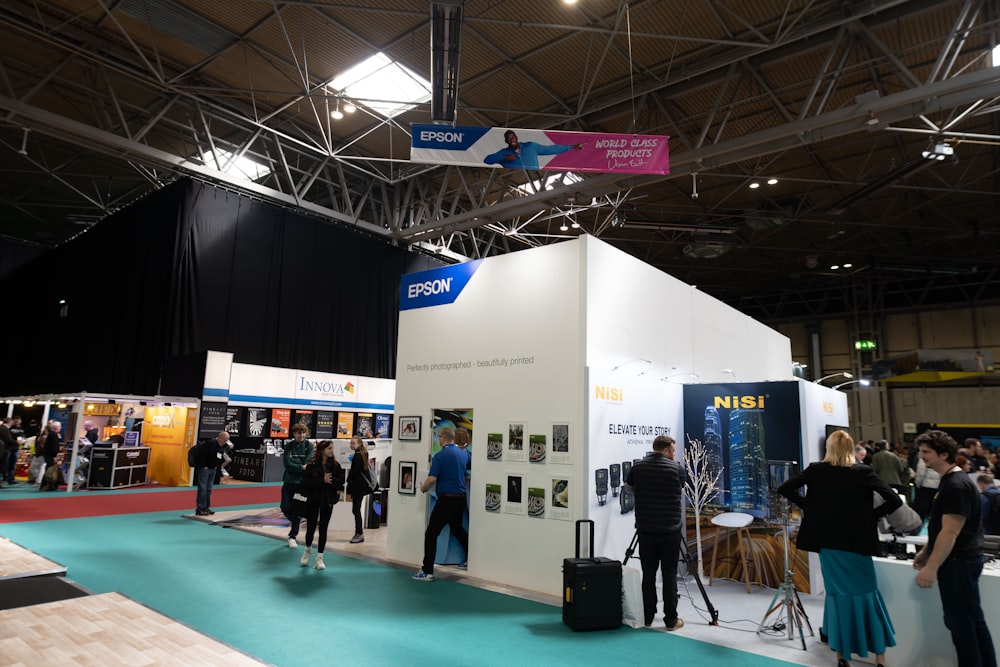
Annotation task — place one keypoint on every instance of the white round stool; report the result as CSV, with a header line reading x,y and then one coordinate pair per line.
x,y
728,521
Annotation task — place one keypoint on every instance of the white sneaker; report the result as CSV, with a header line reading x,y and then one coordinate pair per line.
x,y
305,557
319,562
292,544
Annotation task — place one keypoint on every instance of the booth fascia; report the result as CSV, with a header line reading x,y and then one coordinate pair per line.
x,y
167,423
577,334
248,385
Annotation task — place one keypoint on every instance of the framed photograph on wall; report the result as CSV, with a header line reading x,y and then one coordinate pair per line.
x,y
407,478
408,428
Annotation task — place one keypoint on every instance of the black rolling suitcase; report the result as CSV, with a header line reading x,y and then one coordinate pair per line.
x,y
592,587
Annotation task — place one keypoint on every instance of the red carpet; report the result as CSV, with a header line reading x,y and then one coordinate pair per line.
x,y
60,505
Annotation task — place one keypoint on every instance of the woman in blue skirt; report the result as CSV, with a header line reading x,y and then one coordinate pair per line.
x,y
838,523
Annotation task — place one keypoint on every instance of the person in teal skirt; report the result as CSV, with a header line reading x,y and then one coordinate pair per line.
x,y
838,523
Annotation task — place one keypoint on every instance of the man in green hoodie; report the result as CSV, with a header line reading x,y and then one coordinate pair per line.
x,y
298,452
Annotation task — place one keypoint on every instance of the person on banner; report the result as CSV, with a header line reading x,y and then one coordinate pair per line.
x,y
839,522
322,481
953,555
207,459
517,155
297,454
447,473
657,482
357,484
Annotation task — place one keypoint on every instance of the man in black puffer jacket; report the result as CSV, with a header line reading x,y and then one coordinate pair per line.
x,y
658,482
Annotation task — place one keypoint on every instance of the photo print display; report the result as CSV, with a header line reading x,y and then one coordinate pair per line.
x,y
325,422
515,441
407,478
383,426
514,502
559,507
345,424
561,452
364,424
536,502
281,423
536,448
234,421
308,419
456,418
257,418
493,496
494,447
409,428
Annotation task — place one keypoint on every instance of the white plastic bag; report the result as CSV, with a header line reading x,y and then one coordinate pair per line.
x,y
632,614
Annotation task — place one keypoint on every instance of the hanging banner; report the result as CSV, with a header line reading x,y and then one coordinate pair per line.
x,y
554,150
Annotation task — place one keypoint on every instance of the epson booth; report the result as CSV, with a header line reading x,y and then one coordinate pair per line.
x,y
564,362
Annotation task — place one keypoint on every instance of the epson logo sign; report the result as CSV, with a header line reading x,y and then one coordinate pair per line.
x,y
442,137
439,286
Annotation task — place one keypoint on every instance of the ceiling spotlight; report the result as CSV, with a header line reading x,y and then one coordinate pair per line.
x,y
349,108
939,152
564,227
754,185
847,265
772,181
834,267
575,225
337,113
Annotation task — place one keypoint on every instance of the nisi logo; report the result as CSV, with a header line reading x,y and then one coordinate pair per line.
x,y
828,407
436,287
439,286
609,393
744,402
163,421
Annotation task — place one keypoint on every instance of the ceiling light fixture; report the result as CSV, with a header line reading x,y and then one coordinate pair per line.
x,y
939,152
754,185
862,382
349,107
564,227
849,376
337,113
772,181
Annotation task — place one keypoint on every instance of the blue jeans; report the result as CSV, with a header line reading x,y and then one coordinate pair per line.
x,y
203,478
287,491
659,551
958,583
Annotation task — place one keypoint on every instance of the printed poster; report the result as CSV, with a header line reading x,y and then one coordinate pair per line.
x,y
234,421
257,422
281,422
383,426
493,498
536,502
324,425
536,448
364,424
515,442
560,444
211,419
455,418
559,508
308,419
345,424
494,447
514,503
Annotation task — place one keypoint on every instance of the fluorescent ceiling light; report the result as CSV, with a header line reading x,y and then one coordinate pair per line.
x,y
242,167
384,86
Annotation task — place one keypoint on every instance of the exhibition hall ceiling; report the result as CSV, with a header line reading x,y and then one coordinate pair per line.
x,y
827,105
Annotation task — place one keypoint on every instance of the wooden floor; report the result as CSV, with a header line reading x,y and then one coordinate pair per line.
x,y
17,562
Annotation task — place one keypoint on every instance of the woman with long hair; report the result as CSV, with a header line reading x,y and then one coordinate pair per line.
x,y
838,523
322,480
357,484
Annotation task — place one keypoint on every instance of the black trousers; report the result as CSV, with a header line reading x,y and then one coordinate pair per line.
x,y
448,511
659,551
318,518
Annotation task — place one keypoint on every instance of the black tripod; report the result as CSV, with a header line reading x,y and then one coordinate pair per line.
x,y
692,570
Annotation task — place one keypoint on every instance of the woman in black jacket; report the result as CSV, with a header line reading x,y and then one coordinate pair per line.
x,y
357,484
838,523
322,480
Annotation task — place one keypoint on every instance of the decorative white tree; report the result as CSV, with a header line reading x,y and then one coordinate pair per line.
x,y
700,488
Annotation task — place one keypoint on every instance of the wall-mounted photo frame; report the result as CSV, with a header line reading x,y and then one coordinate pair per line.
x,y
408,478
408,428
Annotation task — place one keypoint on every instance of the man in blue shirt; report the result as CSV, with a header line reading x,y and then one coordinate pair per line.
x,y
448,473
525,156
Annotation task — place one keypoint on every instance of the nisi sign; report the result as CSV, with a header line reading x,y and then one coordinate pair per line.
x,y
435,287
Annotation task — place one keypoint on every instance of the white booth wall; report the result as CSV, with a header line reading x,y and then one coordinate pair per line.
x,y
565,311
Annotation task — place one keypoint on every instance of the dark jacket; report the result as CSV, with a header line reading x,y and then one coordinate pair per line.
x,y
208,454
319,492
838,510
658,484
357,478
50,447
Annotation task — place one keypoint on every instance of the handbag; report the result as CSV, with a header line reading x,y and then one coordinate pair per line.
x,y
902,520
301,505
632,611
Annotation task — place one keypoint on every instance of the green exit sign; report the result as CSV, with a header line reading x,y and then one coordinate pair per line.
x,y
864,345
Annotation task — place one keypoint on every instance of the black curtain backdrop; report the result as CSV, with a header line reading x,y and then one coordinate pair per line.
x,y
193,268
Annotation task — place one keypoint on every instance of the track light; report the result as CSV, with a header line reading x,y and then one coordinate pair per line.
x,y
349,107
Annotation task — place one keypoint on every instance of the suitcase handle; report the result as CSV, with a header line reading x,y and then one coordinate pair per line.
x,y
589,525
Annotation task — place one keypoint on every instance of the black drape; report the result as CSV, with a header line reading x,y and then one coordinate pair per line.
x,y
193,268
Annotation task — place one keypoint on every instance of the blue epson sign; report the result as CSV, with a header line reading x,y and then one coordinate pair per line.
x,y
435,287
445,137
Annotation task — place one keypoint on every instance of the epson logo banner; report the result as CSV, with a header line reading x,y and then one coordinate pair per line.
x,y
445,137
435,287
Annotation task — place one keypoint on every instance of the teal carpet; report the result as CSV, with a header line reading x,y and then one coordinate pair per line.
x,y
250,592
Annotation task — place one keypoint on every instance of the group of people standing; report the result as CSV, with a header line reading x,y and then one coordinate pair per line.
x,y
839,523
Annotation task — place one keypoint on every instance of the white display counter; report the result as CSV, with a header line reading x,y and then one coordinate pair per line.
x,y
921,638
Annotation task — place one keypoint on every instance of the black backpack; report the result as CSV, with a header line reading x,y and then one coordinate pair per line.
x,y
193,453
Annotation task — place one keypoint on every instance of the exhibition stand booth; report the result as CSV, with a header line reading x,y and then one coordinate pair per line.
x,y
564,362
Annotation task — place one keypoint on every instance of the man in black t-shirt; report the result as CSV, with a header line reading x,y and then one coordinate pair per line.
x,y
954,553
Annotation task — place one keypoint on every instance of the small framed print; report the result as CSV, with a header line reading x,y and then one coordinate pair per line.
x,y
409,428
408,478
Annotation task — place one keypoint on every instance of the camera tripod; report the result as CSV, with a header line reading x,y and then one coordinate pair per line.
x,y
789,599
692,570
